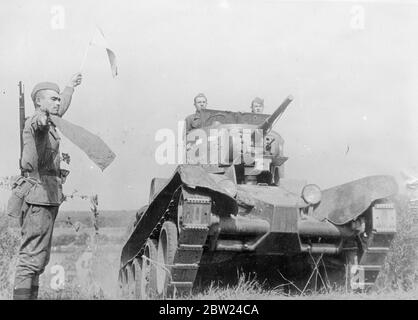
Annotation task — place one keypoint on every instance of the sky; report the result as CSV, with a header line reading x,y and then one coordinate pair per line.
x,y
352,68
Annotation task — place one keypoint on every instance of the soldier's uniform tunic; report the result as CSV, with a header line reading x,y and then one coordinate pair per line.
x,y
193,121
41,161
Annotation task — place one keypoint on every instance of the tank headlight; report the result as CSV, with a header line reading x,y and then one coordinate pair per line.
x,y
311,193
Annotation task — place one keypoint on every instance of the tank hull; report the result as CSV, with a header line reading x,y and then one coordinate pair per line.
x,y
218,224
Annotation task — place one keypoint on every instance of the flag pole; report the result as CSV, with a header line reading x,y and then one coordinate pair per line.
x,y
84,57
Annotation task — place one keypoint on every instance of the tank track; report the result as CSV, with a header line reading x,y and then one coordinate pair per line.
x,y
193,227
377,246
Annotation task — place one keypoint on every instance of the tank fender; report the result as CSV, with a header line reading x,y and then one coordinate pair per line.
x,y
344,203
194,176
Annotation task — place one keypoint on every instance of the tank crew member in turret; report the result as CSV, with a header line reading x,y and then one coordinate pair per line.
x,y
257,105
40,162
193,121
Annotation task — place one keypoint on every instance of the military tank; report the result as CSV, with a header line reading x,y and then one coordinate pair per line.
x,y
230,204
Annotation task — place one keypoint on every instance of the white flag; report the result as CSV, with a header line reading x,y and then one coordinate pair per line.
x,y
100,40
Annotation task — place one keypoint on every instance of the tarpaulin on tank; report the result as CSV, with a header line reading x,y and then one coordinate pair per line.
x,y
343,203
195,176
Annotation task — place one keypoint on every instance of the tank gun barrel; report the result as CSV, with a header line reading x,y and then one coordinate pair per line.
x,y
268,123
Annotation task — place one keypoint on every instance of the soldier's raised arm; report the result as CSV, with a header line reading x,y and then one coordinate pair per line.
x,y
67,93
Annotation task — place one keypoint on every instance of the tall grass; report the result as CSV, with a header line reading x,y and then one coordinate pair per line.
x,y
400,271
247,287
252,289
98,279
9,243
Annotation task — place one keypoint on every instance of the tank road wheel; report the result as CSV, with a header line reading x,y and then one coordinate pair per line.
x,y
130,279
148,287
167,247
120,284
137,271
123,283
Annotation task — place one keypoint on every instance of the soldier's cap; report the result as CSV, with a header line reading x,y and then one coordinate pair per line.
x,y
200,95
44,86
257,100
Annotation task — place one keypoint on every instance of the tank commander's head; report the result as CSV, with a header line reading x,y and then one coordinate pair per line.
x,y
200,102
257,105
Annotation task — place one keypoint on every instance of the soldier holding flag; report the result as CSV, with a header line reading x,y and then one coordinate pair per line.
x,y
37,194
40,163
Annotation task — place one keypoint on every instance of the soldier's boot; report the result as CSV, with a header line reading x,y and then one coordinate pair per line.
x,y
22,294
23,287
35,288
34,293
26,293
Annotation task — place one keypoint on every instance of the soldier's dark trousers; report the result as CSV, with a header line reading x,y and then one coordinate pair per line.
x,y
37,226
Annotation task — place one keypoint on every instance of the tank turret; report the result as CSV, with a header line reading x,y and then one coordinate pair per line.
x,y
243,140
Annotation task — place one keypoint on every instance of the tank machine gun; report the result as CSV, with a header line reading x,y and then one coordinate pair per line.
x,y
268,122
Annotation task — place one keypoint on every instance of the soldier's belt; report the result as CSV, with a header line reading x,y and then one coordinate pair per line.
x,y
51,172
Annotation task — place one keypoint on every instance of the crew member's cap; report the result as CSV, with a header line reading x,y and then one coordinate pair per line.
x,y
258,100
44,86
200,95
